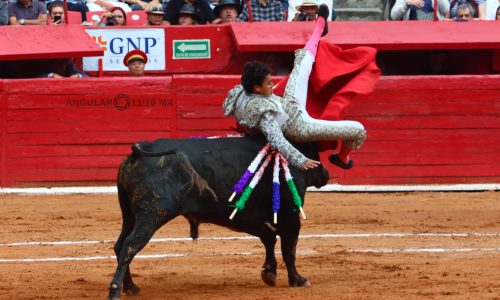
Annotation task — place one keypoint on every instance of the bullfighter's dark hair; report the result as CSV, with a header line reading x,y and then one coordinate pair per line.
x,y
254,73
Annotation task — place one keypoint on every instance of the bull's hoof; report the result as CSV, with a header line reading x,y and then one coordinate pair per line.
x,y
268,277
114,292
134,290
301,282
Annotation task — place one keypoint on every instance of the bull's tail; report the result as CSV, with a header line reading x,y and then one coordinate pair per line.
x,y
141,150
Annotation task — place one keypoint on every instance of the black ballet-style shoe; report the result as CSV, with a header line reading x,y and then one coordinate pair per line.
x,y
324,12
334,159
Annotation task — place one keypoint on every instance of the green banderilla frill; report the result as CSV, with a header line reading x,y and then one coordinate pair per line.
x,y
295,194
240,204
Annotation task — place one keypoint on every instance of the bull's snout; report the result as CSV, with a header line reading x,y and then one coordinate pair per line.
x,y
322,178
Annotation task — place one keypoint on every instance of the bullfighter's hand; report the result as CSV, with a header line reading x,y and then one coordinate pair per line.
x,y
310,164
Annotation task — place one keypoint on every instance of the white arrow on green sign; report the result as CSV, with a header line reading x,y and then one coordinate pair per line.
x,y
191,49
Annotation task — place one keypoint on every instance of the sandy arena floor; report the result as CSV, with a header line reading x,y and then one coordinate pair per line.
x,y
353,246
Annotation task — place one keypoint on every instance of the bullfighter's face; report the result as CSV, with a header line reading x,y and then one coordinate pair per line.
x,y
265,88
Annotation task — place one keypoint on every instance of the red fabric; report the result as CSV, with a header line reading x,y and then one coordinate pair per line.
x,y
336,78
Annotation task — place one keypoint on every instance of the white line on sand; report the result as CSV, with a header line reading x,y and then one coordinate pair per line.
x,y
326,188
309,236
306,253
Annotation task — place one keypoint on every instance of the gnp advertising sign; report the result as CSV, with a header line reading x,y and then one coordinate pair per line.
x,y
116,43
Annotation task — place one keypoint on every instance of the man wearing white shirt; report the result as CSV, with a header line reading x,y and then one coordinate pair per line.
x,y
491,9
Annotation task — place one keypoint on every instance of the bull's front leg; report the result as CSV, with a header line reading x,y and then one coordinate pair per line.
x,y
289,241
268,273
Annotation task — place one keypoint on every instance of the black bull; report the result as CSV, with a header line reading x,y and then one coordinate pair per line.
x,y
194,178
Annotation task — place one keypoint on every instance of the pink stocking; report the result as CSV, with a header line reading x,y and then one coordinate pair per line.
x,y
312,44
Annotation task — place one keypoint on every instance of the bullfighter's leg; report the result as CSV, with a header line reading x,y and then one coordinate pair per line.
x,y
289,239
304,59
307,129
352,134
268,273
297,87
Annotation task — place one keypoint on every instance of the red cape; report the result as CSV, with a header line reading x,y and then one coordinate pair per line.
x,y
337,77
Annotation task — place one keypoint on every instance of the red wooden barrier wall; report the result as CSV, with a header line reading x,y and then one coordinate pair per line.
x,y
433,129
429,130
3,135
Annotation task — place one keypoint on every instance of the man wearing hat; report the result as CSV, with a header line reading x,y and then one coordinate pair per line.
x,y
155,16
187,15
306,11
228,10
202,9
135,60
296,7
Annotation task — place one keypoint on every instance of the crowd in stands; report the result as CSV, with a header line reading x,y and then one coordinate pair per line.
x,y
190,12
448,10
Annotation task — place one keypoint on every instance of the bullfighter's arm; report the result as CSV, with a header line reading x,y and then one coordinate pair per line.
x,y
271,129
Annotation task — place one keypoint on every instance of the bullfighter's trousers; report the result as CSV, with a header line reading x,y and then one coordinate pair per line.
x,y
304,128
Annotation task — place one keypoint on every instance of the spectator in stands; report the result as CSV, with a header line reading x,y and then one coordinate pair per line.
x,y
228,10
4,13
201,7
263,10
419,10
187,15
135,61
114,17
140,4
213,3
60,68
56,12
491,9
464,13
294,5
306,11
478,8
102,5
73,5
27,12
498,14
155,16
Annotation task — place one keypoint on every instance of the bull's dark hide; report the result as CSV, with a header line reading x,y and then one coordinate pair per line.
x,y
194,178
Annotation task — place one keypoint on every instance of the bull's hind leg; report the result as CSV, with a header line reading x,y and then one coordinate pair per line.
x,y
144,228
268,273
288,249
128,220
129,286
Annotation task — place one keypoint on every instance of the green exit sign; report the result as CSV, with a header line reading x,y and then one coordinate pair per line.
x,y
191,49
